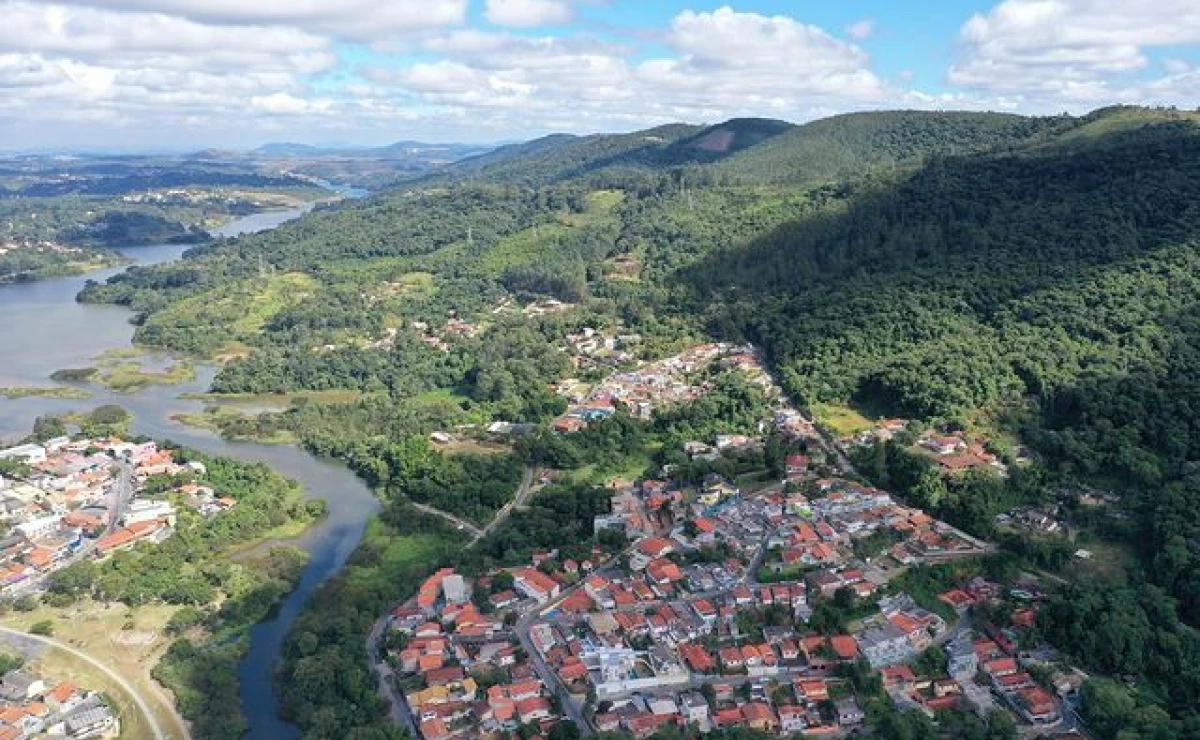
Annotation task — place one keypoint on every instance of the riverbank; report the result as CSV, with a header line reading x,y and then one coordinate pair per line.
x,y
47,330
59,392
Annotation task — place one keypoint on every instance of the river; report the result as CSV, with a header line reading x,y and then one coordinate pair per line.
x,y
43,329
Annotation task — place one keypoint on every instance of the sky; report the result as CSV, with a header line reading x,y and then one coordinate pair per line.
x,y
189,74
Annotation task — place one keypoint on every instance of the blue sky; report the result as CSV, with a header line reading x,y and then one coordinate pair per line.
x,y
190,73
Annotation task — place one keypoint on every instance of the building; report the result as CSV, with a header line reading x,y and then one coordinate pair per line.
x,y
145,510
25,453
849,713
455,589
885,645
535,585
963,660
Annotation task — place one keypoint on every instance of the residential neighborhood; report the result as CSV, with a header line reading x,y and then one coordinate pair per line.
x,y
66,500
34,706
770,607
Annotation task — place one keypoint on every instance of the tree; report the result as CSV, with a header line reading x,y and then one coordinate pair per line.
x,y
44,628
564,730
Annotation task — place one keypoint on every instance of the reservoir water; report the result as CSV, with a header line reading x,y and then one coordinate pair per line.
x,y
43,329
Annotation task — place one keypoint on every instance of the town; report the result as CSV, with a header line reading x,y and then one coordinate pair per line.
x,y
65,501
779,607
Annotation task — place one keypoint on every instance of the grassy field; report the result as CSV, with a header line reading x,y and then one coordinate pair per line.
x,y
280,291
541,242
222,420
129,641
71,394
235,312
275,400
843,420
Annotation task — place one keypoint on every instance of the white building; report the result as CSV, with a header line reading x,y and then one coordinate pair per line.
x,y
144,510
26,453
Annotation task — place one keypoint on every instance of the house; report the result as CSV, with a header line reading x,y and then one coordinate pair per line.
x,y
435,729
1000,667
812,690
535,585
963,660
759,716
792,718
697,658
958,599
694,708
849,713
885,645
900,677
731,659
844,647
943,445
533,709
1038,706
646,724
650,549
797,465
95,721
1014,682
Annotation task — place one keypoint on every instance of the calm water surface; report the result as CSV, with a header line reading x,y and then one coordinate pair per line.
x,y
43,329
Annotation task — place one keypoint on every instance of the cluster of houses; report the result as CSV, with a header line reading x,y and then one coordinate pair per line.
x,y
439,337
798,706
668,382
450,648
72,500
957,451
32,708
993,655
591,349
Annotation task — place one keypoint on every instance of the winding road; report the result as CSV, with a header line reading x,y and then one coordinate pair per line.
x,y
128,688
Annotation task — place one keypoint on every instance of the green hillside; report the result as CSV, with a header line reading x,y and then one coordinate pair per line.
x,y
853,146
1037,277
612,157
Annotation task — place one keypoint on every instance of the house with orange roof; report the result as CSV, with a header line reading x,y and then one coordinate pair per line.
x,y
435,729
697,658
812,690
844,647
533,709
1039,706
648,549
663,571
731,658
759,716
535,584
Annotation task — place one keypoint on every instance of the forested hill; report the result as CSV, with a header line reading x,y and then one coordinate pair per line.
x,y
1037,277
559,158
849,147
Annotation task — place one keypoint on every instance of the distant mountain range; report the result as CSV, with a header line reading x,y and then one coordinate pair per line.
x,y
401,149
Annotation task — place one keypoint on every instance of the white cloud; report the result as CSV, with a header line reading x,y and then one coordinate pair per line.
x,y
720,64
529,13
156,40
359,20
861,30
1074,52
285,104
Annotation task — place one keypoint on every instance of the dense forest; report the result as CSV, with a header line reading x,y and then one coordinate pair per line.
x,y
1040,274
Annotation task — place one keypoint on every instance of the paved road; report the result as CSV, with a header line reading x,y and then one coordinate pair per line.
x,y
127,687
462,524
